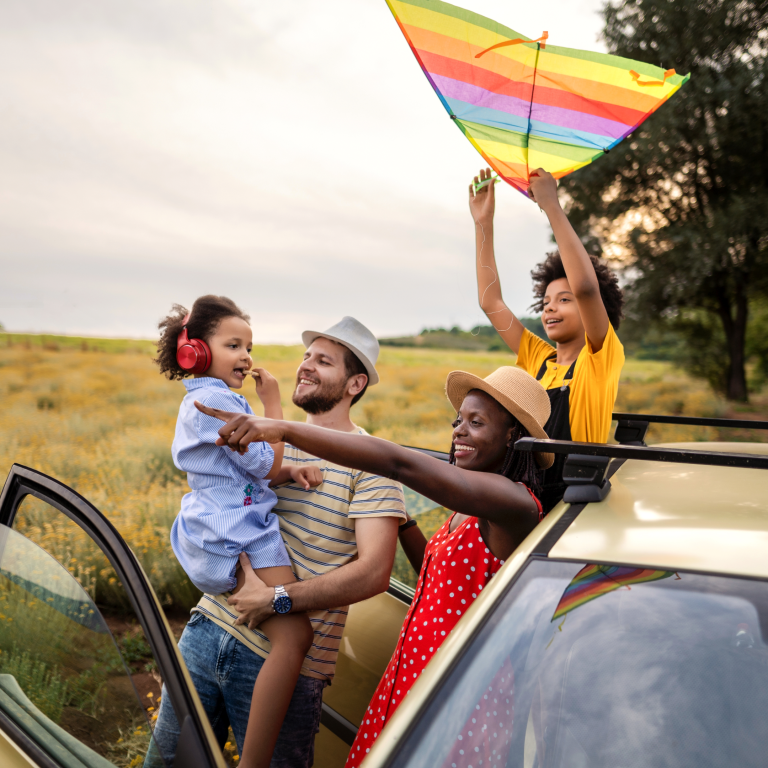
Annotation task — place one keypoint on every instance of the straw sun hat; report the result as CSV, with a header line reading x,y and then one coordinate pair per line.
x,y
515,390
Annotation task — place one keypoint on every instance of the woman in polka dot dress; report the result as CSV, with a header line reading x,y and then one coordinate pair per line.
x,y
489,485
455,566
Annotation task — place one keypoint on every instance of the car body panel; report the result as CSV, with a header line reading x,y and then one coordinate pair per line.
x,y
369,639
649,517
11,755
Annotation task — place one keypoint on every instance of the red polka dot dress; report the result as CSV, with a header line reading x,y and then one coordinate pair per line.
x,y
457,566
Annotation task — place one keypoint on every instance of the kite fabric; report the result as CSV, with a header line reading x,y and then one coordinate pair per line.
x,y
525,104
594,581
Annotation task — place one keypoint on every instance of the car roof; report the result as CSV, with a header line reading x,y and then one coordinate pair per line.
x,y
678,516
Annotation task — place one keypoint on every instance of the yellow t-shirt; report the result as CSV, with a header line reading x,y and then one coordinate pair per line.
x,y
318,528
594,385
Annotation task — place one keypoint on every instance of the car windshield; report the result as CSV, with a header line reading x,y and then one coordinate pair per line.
x,y
588,665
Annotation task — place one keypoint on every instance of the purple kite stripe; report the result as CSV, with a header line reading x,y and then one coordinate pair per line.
x,y
578,121
566,118
479,97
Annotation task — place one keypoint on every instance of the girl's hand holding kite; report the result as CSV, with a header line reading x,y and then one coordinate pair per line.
x,y
543,190
482,203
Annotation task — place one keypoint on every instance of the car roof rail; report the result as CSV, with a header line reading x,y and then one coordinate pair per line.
x,y
645,453
632,427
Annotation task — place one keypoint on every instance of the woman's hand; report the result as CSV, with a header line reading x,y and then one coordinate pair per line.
x,y
306,477
543,190
241,429
483,203
253,599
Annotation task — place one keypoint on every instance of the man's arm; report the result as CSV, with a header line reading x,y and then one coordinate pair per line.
x,y
576,262
482,206
364,577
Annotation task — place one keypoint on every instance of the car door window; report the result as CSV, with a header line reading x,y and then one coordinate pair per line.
x,y
63,679
585,664
84,643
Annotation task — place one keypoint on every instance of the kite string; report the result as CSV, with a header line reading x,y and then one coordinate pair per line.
x,y
495,279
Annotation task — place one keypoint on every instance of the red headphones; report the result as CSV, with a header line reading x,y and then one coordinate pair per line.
x,y
192,355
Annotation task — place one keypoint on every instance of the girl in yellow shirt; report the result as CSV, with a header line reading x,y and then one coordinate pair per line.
x,y
580,303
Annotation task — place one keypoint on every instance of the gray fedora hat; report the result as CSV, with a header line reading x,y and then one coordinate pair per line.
x,y
355,337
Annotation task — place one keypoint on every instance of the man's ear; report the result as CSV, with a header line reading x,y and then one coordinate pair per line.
x,y
510,433
356,384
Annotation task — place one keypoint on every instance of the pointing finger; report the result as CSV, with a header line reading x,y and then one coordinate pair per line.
x,y
217,413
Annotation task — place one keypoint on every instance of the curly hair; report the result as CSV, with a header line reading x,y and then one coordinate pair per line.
x,y
552,269
204,318
518,466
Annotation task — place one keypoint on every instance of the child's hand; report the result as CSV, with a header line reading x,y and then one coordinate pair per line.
x,y
267,388
306,477
543,189
482,204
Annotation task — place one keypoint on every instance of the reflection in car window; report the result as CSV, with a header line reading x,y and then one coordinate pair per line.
x,y
63,679
601,666
430,516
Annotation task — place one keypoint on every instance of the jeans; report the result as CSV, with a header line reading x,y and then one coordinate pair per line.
x,y
224,672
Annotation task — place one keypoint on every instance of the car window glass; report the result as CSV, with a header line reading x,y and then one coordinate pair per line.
x,y
74,662
593,665
430,517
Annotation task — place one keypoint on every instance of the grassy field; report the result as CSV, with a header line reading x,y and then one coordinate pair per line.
x,y
97,415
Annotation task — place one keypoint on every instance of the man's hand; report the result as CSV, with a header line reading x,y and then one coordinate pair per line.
x,y
543,190
483,203
306,477
241,429
253,600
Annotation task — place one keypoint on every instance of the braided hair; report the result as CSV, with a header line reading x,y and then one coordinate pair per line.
x,y
518,466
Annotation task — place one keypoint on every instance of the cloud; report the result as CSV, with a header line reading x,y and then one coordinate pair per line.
x,y
289,155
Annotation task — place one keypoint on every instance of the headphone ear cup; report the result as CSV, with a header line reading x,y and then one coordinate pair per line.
x,y
204,357
194,356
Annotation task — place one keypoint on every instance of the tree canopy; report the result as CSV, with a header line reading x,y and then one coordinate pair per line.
x,y
683,201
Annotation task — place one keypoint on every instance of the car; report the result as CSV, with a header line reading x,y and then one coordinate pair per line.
x,y
631,624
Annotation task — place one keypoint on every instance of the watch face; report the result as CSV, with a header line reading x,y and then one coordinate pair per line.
x,y
283,604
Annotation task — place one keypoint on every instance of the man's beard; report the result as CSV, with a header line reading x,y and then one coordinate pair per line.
x,y
325,398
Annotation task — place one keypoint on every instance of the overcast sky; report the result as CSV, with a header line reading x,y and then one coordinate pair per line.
x,y
290,155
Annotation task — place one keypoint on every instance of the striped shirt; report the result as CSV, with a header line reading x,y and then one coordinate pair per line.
x,y
229,509
319,532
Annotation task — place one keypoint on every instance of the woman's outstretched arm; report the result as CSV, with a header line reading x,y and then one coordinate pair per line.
x,y
479,494
482,205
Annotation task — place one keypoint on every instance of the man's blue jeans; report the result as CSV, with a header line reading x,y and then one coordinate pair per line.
x,y
224,672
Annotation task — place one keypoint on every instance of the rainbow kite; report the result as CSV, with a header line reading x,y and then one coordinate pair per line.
x,y
525,104
594,581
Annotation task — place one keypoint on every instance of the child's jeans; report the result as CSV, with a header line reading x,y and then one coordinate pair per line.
x,y
224,672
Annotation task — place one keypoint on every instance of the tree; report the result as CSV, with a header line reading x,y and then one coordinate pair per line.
x,y
684,199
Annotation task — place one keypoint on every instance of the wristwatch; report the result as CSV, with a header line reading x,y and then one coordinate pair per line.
x,y
281,603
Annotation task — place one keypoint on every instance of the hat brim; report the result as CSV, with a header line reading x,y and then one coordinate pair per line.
x,y
373,377
460,383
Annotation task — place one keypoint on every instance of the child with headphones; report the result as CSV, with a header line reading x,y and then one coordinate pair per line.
x,y
229,508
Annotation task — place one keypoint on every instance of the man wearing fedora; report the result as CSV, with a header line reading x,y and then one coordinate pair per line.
x,y
341,537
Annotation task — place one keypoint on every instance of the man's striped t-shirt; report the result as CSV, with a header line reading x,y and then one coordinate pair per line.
x,y
318,529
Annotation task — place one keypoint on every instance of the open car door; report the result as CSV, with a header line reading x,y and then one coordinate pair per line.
x,y
71,695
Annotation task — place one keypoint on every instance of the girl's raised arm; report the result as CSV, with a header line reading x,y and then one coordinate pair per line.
x,y
576,262
482,205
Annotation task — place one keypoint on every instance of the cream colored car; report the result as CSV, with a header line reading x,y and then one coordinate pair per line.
x,y
631,624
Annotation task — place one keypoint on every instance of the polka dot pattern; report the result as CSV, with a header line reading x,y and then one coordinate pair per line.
x,y
483,742
437,606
